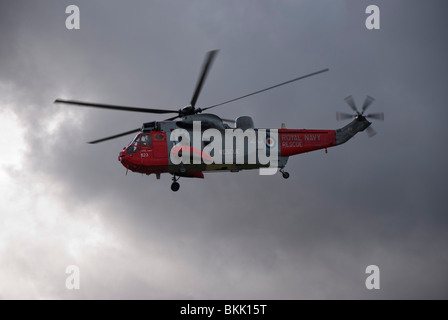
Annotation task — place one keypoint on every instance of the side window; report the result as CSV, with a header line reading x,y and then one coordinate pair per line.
x,y
146,141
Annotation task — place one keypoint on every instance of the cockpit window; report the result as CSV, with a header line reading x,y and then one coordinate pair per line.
x,y
135,141
132,147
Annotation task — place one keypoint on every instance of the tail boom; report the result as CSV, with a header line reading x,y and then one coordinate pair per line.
x,y
297,141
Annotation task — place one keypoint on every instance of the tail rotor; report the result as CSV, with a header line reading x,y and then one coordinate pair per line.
x,y
360,115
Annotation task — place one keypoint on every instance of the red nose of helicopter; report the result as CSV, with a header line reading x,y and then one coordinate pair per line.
x,y
125,158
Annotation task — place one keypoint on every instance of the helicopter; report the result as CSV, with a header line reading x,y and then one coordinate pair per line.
x,y
193,142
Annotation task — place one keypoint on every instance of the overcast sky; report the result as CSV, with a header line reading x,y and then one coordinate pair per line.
x,y
373,201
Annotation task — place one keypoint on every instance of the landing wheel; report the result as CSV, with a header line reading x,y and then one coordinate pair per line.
x,y
175,186
284,174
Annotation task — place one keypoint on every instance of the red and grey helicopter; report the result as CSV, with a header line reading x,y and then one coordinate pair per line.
x,y
159,148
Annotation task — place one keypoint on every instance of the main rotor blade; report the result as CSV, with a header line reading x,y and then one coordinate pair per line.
x,y
351,103
259,91
203,75
115,136
370,132
343,116
172,118
377,116
367,103
114,107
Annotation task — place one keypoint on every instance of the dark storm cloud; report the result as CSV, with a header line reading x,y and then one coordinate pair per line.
x,y
372,201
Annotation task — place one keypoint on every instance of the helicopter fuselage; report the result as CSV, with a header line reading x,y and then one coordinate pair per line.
x,y
158,149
